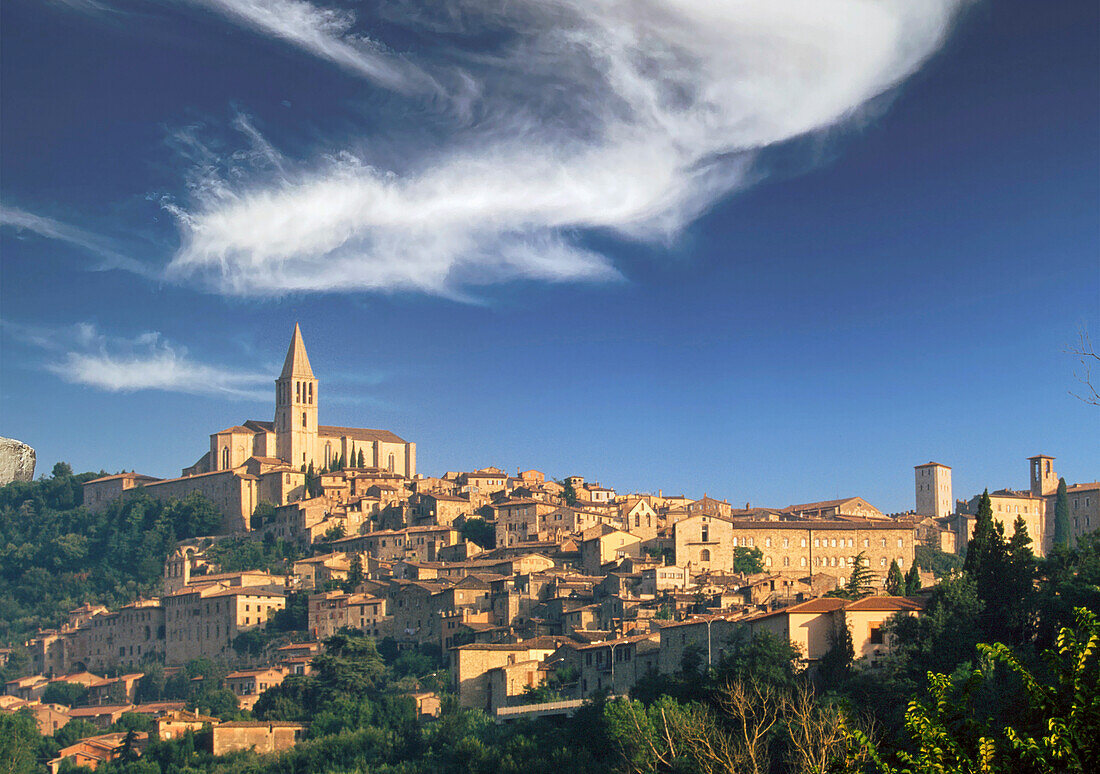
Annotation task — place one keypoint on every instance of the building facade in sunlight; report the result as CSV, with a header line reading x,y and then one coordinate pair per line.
x,y
295,438
265,461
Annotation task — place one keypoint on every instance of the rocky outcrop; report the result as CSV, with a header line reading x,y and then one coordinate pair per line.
x,y
16,461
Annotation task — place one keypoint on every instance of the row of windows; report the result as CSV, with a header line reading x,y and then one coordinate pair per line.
x,y
704,537
832,561
303,393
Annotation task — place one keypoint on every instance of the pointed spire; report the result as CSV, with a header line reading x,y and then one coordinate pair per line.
x,y
297,361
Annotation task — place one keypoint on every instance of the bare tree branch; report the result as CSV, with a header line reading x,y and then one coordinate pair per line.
x,y
1087,355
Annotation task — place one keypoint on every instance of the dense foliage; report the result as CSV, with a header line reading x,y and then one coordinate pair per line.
x,y
56,555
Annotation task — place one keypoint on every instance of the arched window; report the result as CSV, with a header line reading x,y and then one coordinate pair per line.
x,y
304,419
786,561
393,464
803,561
328,454
704,555
225,458
298,391
311,393
768,561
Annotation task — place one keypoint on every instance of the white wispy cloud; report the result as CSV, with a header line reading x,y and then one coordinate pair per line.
x,y
623,117
562,119
110,258
326,33
82,354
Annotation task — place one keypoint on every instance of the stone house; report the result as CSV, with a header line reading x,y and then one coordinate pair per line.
x,y
470,665
260,736
602,545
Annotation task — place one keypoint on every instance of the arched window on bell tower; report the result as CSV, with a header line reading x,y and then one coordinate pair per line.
x,y
225,458
304,423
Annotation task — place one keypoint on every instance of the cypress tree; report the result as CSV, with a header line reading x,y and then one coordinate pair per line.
x,y
912,580
362,460
895,584
1061,515
977,548
1017,588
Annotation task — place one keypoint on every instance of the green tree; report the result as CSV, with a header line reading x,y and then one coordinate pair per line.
x,y
1062,532
263,515
1055,730
895,583
836,664
912,582
355,573
1017,596
748,560
478,531
860,583
936,561
69,694
362,460
569,493
944,636
19,742
1070,579
250,642
981,548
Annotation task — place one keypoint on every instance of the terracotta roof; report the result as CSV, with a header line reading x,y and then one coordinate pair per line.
x,y
122,475
540,643
358,434
886,604
819,505
931,464
234,429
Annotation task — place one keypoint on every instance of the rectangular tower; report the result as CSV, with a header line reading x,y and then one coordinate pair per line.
x,y
934,496
1044,481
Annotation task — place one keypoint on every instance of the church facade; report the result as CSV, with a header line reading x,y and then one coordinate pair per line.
x,y
295,437
263,461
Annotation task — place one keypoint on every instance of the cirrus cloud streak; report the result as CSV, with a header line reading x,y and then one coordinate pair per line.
x,y
629,118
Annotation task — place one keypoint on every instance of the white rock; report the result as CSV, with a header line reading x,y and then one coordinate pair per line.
x,y
16,461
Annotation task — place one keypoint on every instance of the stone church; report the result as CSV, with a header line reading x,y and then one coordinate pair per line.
x,y
262,461
295,437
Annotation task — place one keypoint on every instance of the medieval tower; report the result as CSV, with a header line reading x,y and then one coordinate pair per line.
x,y
296,406
934,493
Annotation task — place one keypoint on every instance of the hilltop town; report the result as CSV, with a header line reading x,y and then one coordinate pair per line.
x,y
514,582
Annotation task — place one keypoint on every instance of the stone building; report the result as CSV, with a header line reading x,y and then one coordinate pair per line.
x,y
471,664
264,461
795,548
204,620
260,736
933,489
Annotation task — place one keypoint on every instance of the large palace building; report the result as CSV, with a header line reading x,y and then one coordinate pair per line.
x,y
262,461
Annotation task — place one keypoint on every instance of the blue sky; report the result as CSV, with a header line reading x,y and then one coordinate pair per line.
x,y
773,252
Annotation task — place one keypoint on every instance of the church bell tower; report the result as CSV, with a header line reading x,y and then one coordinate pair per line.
x,y
296,406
